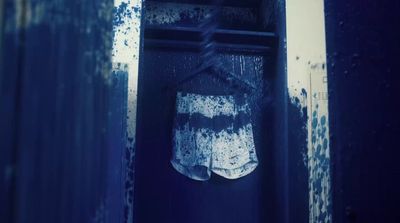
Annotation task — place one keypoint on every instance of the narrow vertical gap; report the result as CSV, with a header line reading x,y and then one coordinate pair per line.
x,y
21,42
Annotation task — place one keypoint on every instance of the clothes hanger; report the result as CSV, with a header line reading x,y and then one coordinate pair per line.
x,y
210,65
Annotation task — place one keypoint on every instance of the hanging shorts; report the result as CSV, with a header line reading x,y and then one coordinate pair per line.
x,y
213,133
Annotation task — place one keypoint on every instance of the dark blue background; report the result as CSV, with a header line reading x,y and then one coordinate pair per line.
x,y
363,67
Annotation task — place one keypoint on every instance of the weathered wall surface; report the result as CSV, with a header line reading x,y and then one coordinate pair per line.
x,y
58,118
125,57
307,88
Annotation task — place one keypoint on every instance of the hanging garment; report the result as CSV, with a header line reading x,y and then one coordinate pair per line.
x,y
213,133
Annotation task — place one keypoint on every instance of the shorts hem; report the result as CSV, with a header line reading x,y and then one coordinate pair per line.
x,y
250,166
190,170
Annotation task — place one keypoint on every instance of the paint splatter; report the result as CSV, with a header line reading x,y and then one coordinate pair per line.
x,y
172,13
319,161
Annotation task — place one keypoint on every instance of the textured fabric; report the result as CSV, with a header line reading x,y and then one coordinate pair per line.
x,y
213,133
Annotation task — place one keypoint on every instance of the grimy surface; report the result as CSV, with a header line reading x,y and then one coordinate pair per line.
x,y
62,113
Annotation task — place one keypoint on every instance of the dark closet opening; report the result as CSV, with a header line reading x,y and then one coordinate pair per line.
x,y
246,43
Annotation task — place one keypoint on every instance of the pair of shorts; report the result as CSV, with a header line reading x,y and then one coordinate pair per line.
x,y
213,133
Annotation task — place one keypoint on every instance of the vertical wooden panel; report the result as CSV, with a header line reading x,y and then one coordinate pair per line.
x,y
125,53
60,111
9,107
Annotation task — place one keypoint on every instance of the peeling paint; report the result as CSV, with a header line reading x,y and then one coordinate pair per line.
x,y
173,13
126,47
318,152
299,99
307,88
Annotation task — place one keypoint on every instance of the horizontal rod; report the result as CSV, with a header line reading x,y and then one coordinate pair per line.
x,y
195,46
221,36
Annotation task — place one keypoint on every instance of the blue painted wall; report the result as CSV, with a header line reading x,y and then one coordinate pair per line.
x,y
62,116
363,72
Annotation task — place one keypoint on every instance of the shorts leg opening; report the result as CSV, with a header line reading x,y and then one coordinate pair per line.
x,y
195,172
238,172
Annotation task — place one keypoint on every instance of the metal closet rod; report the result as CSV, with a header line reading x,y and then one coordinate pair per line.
x,y
226,39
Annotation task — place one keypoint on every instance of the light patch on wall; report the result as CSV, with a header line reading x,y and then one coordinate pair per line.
x,y
306,74
26,13
53,13
126,47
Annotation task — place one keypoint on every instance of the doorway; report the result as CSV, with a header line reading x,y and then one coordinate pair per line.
x,y
247,48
